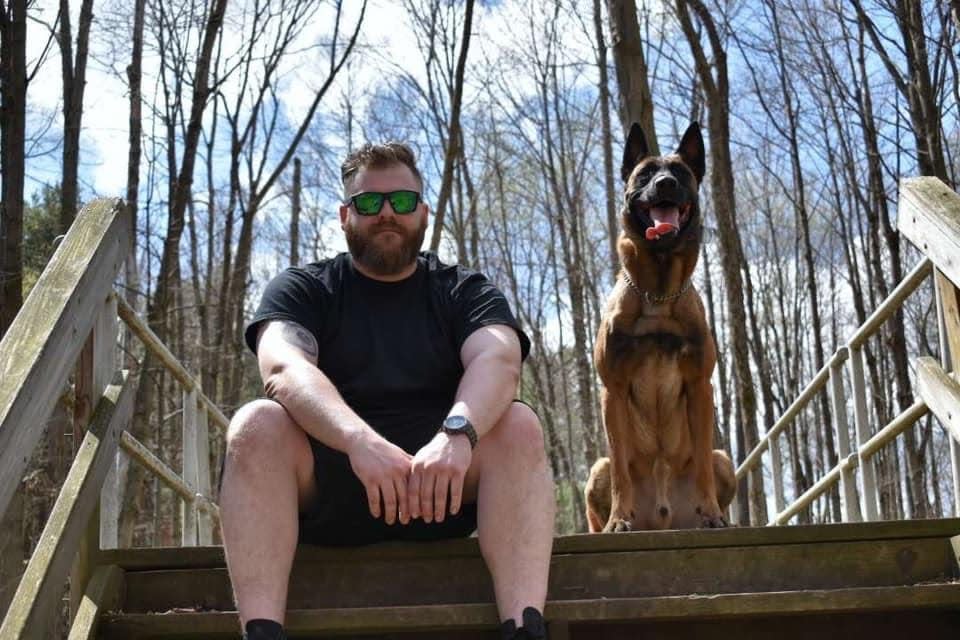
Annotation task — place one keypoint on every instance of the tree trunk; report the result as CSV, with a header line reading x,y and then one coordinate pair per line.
x,y
168,277
636,103
606,140
731,255
74,73
13,73
295,215
453,149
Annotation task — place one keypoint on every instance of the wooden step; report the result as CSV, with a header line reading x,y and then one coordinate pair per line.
x,y
932,610
584,567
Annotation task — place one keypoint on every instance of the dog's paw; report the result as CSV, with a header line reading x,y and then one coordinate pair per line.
x,y
617,525
710,519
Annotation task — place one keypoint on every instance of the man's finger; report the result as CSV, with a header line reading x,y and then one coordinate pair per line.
x,y
373,499
403,509
456,494
426,497
389,502
413,493
440,497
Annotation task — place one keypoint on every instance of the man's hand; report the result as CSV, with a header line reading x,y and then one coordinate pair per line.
x,y
439,469
383,468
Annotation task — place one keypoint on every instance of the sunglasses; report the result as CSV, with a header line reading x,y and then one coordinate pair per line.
x,y
369,203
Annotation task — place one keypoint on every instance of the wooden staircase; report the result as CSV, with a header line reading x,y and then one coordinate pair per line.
x,y
868,580
865,580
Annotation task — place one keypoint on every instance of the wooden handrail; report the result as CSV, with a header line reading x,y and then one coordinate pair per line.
x,y
929,216
41,346
49,566
168,360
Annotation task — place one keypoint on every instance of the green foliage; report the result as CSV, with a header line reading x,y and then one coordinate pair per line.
x,y
40,224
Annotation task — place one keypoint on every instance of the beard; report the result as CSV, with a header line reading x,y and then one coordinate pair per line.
x,y
385,260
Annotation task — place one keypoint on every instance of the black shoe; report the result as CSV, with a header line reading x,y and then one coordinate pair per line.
x,y
264,630
533,627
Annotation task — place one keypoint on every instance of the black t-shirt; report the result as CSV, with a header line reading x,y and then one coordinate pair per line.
x,y
392,349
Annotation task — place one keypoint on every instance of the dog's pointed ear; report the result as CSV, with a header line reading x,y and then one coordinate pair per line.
x,y
692,151
634,150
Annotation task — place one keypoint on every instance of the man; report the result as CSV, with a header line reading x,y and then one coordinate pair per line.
x,y
390,415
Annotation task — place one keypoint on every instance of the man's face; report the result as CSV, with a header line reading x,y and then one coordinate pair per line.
x,y
387,243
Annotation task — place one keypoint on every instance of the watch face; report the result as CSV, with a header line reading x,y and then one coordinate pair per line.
x,y
455,422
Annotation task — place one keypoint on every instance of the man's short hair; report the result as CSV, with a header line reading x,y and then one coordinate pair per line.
x,y
378,156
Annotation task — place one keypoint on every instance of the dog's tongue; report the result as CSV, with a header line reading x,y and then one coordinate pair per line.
x,y
665,220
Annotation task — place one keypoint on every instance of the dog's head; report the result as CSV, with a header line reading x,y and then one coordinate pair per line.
x,y
660,209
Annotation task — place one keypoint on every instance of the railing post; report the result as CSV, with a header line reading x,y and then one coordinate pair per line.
x,y
204,520
848,482
867,474
188,510
777,469
948,316
95,369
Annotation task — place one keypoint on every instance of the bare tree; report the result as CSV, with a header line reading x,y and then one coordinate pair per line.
x,y
74,72
716,88
13,73
453,148
606,137
636,104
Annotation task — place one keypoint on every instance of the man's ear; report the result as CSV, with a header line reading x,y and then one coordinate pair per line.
x,y
344,212
692,151
634,150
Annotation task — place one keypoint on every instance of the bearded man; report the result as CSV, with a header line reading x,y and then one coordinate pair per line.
x,y
390,414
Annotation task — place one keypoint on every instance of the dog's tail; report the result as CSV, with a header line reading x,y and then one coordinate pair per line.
x,y
597,495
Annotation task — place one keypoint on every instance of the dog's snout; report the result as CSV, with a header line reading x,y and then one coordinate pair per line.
x,y
665,180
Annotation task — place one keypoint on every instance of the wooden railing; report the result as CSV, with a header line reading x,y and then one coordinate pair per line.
x,y
69,324
929,216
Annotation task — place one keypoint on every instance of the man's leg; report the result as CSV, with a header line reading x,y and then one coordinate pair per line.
x,y
515,510
268,473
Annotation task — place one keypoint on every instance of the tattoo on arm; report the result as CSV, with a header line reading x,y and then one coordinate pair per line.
x,y
295,335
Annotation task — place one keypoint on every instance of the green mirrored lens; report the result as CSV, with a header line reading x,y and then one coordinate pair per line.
x,y
403,201
368,204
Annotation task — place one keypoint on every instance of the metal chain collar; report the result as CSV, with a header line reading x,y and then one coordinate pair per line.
x,y
652,299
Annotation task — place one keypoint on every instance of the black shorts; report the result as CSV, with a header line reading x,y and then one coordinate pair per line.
x,y
340,516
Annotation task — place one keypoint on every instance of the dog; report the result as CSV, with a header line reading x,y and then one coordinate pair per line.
x,y
655,354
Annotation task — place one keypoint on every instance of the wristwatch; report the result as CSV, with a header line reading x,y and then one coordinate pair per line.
x,y
460,425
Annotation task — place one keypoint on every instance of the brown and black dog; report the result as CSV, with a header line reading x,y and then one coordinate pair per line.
x,y
655,355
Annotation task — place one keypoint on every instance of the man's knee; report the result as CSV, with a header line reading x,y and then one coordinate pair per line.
x,y
261,430
519,433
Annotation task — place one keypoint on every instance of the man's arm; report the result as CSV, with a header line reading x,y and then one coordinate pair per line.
x,y
491,361
286,354
491,373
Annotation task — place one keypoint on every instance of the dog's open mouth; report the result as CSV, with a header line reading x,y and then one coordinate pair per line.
x,y
666,219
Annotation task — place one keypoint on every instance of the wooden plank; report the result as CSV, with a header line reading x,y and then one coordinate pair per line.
x,y
928,214
50,564
480,616
41,346
148,559
941,392
949,297
112,491
96,367
204,519
868,494
948,317
188,510
102,595
139,452
848,481
426,580
154,344
777,469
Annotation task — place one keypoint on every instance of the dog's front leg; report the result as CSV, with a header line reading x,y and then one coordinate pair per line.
x,y
700,417
616,421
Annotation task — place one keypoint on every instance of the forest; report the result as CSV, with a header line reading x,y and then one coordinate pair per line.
x,y
222,125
